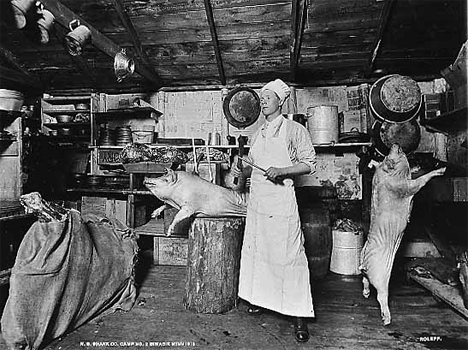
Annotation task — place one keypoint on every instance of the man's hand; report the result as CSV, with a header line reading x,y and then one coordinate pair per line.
x,y
274,174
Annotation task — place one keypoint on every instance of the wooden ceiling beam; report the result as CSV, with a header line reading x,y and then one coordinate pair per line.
x,y
384,17
10,64
128,24
214,40
298,16
64,16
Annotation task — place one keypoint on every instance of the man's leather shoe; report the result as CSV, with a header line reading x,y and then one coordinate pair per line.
x,y
254,310
301,332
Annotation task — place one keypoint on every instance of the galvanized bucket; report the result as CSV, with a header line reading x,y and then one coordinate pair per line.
x,y
346,252
323,125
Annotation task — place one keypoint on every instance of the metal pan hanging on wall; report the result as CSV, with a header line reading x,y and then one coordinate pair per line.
x,y
395,98
241,107
407,135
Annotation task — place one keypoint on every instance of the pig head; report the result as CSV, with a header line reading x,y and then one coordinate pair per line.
x,y
194,197
392,194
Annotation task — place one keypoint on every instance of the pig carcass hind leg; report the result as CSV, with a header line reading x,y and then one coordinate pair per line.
x,y
382,298
183,213
159,211
366,287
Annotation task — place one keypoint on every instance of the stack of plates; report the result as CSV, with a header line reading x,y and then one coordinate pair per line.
x,y
94,181
106,137
123,135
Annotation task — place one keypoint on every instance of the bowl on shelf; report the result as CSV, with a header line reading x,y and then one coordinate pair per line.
x,y
64,132
116,182
64,118
82,106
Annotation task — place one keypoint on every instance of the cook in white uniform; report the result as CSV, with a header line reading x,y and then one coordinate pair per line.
x,y
274,271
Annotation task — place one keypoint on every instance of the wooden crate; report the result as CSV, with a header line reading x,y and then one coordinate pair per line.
x,y
170,251
109,207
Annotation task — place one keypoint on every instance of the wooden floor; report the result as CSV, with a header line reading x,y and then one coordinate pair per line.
x,y
345,320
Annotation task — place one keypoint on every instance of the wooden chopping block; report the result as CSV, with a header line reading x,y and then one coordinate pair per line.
x,y
214,249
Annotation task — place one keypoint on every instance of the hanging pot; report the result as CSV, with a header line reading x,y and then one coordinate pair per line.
x,y
20,10
123,65
241,107
44,23
407,135
395,98
77,38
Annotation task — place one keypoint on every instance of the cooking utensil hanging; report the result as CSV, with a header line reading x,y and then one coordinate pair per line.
x,y
123,65
395,98
78,37
407,135
241,107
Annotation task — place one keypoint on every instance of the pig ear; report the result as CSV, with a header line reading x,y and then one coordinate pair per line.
x,y
171,174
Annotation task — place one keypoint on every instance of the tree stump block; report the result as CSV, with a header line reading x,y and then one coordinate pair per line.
x,y
214,249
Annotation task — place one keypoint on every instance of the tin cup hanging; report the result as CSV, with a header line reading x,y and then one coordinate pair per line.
x,y
123,65
45,23
77,38
20,10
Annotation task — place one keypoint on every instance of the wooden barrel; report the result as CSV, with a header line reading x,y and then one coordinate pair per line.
x,y
214,249
316,225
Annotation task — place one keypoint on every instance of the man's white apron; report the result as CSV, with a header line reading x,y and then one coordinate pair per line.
x,y
274,272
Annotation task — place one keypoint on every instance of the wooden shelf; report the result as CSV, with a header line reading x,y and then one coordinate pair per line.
x,y
153,145
453,121
66,111
8,138
110,190
339,145
128,112
67,125
66,99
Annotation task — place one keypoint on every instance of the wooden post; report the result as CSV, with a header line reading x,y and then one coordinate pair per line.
x,y
213,264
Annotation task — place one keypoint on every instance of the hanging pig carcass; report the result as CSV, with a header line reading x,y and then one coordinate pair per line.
x,y
392,194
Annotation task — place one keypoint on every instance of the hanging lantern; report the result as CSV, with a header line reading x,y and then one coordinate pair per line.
x,y
123,65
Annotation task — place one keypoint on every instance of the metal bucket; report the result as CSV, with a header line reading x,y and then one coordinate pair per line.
x,y
346,252
323,125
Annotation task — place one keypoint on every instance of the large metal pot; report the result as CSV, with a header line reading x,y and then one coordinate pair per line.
x,y
395,98
407,135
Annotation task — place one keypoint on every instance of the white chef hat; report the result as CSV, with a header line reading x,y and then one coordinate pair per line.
x,y
280,88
